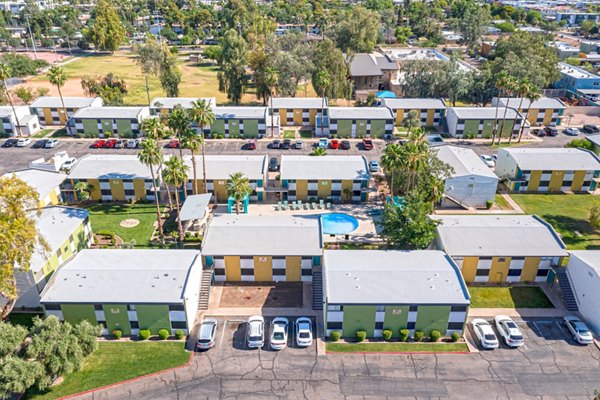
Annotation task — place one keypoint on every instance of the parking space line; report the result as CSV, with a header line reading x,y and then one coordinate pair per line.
x,y
223,333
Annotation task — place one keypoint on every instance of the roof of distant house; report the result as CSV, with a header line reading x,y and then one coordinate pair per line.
x,y
557,159
463,161
324,167
372,64
110,166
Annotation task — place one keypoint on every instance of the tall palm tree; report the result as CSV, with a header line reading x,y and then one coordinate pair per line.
x,y
175,173
192,141
239,188
324,82
179,120
153,128
510,88
272,80
58,78
203,115
391,161
151,157
500,84
5,74
415,158
532,93
522,87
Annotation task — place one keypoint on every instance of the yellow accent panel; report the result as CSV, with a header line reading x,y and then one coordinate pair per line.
x,y
220,190
117,190
263,269
233,269
139,189
556,181
48,116
293,269
62,115
530,269
399,116
324,189
430,117
548,116
499,269
298,116
578,178
534,181
312,117
95,194
469,268
301,190
283,117
532,116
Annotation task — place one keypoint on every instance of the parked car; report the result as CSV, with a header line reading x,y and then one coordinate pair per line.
x,y
323,143
345,145
275,144
299,144
206,336
173,144
590,129
373,166
98,144
132,143
279,333
572,131
303,332
287,144
273,164
489,161
22,142
121,144
10,143
550,131
251,145
255,333
538,132
581,333
485,334
367,144
68,164
110,143
51,143
334,144
509,331
39,144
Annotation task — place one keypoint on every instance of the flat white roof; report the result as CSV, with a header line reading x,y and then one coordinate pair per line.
x,y
262,235
298,102
414,104
498,235
575,72
123,276
70,102
195,207
240,112
557,159
392,277
324,167
110,166
44,182
483,112
109,112
185,102
360,113
541,103
221,167
464,161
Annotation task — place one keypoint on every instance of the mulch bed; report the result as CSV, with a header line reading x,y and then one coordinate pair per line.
x,y
267,294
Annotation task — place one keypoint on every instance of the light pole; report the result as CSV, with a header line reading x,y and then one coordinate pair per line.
x,y
32,38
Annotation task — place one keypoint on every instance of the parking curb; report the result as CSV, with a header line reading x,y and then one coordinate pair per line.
x,y
396,352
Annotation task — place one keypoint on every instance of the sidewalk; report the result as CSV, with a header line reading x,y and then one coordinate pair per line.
x,y
517,312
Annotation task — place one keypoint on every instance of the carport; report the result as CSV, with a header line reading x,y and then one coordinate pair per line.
x,y
194,212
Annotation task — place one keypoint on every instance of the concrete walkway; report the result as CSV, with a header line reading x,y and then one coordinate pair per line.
x,y
517,312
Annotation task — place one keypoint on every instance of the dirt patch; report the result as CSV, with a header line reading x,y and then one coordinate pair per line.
x,y
270,295
129,223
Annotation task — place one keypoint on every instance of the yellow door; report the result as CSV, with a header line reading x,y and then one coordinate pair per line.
x,y
48,116
399,116
324,189
263,269
532,116
220,190
298,116
556,181
430,117
534,181
312,116
233,269
139,189
293,269
530,268
62,116
282,117
499,269
578,178
469,268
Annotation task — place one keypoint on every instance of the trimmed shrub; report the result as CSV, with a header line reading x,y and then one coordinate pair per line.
x,y
404,333
361,336
145,334
419,336
117,334
387,334
163,334
435,336
455,337
179,334
334,336
489,204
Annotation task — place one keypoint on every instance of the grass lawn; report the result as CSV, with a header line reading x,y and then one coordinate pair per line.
x,y
109,216
396,347
304,134
25,319
568,214
116,362
62,132
42,133
502,203
508,297
289,134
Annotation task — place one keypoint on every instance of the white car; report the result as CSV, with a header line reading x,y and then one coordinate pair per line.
x,y
484,332
303,332
206,336
68,164
488,160
255,332
279,333
132,143
572,132
581,333
509,331
373,166
51,143
22,142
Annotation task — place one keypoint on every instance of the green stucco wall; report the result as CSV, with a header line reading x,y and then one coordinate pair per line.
x,y
90,126
234,127
432,318
344,128
251,127
75,313
107,126
153,317
361,127
80,241
508,126
488,129
218,127
116,318
395,318
377,128
471,127
358,318
123,127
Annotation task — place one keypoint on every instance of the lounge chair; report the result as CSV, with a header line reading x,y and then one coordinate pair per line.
x,y
278,206
328,206
321,205
300,205
285,205
307,206
313,206
293,207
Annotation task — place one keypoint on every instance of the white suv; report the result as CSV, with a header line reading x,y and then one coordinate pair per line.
x,y
303,332
485,333
255,332
509,331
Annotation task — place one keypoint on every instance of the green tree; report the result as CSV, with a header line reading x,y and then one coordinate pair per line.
x,y
179,120
471,20
83,190
500,84
233,65
149,58
323,82
153,128
318,151
17,375
412,120
11,338
107,31
511,86
587,26
192,141
238,188
169,74
330,60
5,74
151,156
408,224
203,115
529,91
357,30
272,80
580,144
213,53
402,34
58,78
595,215
175,173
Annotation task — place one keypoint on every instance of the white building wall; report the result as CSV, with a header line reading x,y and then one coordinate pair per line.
x,y
191,294
506,165
452,121
585,283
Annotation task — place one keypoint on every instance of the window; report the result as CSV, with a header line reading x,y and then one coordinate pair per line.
x,y
335,307
247,272
542,272
219,271
98,307
410,325
176,307
105,192
52,307
587,183
413,308
313,193
485,258
334,325
307,272
567,183
279,271
134,325
517,258
544,183
379,308
546,172
455,326
129,192
178,325
514,272
378,325
482,272
458,308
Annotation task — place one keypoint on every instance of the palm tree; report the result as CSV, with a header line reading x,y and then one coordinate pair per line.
x,y
58,78
271,80
318,151
324,82
500,85
238,187
416,153
153,128
511,87
391,161
83,190
5,74
192,141
532,94
203,115
151,156
179,120
412,120
175,173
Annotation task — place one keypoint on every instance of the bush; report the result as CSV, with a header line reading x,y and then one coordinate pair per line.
x,y
419,336
163,334
334,336
361,336
404,333
387,334
489,204
455,337
435,336
179,334
144,334
117,334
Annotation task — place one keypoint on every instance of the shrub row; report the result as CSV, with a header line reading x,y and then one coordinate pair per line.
x,y
145,334
403,335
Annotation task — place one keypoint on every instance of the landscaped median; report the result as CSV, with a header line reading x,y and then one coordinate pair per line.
x,y
391,347
508,297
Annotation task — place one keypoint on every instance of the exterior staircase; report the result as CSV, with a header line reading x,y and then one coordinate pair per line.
x,y
317,288
566,289
205,288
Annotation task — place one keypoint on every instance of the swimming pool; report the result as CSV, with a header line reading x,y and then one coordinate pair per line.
x,y
338,224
